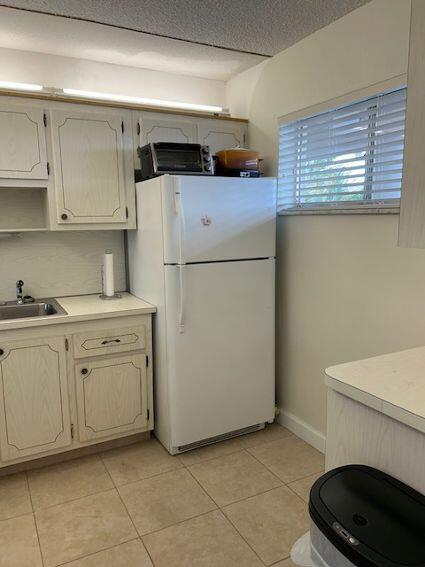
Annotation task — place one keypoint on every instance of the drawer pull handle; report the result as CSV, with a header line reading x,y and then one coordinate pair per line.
x,y
111,341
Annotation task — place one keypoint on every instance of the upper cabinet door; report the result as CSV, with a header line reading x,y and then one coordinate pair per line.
x,y
164,129
88,153
222,134
412,212
22,143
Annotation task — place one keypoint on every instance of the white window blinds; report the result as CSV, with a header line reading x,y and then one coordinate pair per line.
x,y
349,157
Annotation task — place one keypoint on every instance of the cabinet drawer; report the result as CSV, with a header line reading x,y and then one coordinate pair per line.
x,y
96,343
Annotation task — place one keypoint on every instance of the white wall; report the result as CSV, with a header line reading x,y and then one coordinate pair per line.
x,y
60,72
345,291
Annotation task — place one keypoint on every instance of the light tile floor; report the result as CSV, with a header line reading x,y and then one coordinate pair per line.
x,y
240,503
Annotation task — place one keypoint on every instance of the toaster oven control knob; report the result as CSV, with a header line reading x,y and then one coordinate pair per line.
x,y
207,158
205,150
207,168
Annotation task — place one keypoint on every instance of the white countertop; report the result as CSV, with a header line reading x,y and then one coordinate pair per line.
x,y
85,308
393,384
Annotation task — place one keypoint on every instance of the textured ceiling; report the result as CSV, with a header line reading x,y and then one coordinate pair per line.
x,y
42,33
255,26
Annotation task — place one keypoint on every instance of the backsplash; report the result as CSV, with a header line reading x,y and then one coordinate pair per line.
x,y
54,264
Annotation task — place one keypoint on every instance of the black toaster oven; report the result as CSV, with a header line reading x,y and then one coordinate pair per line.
x,y
175,158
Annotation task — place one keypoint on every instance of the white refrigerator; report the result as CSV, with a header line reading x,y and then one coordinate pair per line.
x,y
204,254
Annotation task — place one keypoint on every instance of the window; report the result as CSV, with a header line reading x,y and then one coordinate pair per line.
x,y
347,158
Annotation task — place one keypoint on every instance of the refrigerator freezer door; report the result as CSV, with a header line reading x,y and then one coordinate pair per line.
x,y
221,367
218,218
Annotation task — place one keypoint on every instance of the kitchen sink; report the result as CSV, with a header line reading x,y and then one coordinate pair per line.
x,y
40,308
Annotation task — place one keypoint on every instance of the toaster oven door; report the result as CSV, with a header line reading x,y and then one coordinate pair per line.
x,y
177,158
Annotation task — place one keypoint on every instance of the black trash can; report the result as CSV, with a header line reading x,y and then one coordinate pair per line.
x,y
361,516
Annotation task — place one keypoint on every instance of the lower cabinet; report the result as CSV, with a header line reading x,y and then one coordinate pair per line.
x,y
90,383
34,404
112,396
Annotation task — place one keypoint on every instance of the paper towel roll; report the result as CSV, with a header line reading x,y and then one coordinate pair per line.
x,y
108,273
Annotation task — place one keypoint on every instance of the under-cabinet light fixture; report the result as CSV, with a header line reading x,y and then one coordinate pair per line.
x,y
20,86
143,101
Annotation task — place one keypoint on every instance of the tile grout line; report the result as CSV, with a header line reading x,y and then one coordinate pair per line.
x,y
241,536
251,496
225,517
180,522
238,450
285,482
115,485
126,509
95,552
266,467
75,499
34,518
277,562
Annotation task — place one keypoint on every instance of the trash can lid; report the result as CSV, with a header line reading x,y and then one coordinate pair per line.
x,y
373,519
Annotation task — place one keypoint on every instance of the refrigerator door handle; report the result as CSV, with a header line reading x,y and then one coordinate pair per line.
x,y
182,298
178,206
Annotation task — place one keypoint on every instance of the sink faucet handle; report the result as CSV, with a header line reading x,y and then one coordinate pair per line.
x,y
19,285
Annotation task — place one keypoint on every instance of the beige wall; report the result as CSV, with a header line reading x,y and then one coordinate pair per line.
x,y
58,263
345,291
61,72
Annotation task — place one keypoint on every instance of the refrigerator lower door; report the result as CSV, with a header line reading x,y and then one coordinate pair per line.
x,y
220,338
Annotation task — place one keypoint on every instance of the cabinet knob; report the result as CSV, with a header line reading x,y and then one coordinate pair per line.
x,y
84,371
64,216
1,351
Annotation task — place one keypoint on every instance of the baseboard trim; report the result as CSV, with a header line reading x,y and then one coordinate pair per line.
x,y
302,429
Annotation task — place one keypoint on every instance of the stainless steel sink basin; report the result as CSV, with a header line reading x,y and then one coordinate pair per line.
x,y
40,308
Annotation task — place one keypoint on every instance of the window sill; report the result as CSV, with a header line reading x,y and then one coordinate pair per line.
x,y
356,211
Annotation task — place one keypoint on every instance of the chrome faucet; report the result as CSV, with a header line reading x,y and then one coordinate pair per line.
x,y
19,292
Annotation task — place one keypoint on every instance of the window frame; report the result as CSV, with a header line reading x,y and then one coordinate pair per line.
x,y
393,84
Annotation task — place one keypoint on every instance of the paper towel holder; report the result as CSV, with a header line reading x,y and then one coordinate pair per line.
x,y
115,296
103,295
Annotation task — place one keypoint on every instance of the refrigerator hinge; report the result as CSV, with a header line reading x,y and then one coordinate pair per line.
x,y
45,120
66,344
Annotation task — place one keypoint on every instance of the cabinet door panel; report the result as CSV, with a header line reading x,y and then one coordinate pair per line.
x,y
22,143
111,396
89,167
166,130
34,404
221,134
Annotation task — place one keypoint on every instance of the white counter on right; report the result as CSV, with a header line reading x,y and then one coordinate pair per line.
x,y
376,415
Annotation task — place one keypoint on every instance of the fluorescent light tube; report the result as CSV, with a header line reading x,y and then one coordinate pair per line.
x,y
20,86
143,101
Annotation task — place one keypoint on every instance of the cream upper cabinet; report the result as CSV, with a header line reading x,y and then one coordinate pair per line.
x,y
155,128
34,405
412,212
112,396
22,143
222,134
88,154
